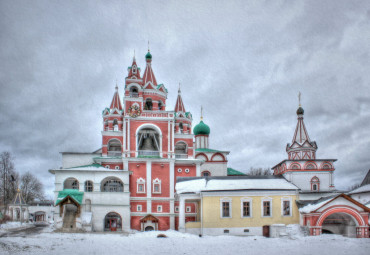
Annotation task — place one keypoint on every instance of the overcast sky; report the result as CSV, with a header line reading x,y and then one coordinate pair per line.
x,y
244,61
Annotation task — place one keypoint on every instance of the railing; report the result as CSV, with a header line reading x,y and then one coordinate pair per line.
x,y
149,153
114,153
134,94
181,155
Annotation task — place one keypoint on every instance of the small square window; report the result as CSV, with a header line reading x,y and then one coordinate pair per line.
x,y
159,208
139,208
176,209
226,231
188,209
246,230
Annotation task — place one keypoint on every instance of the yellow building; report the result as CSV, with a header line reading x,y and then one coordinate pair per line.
x,y
243,205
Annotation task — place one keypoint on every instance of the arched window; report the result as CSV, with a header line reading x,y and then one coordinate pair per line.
x,y
71,183
181,150
112,184
295,166
134,92
157,186
88,186
148,142
148,104
115,125
206,173
140,185
315,184
133,69
160,105
114,147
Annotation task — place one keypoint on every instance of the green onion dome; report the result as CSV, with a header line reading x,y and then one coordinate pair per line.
x,y
300,111
148,55
201,129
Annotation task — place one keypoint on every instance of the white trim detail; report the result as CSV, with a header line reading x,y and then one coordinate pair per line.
x,y
139,208
226,200
157,182
289,199
266,199
246,199
188,209
140,181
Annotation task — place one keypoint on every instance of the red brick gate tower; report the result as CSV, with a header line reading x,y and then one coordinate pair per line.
x,y
154,144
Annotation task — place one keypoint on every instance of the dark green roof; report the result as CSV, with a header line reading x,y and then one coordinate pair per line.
x,y
300,110
161,85
148,55
92,165
206,150
72,193
201,129
231,171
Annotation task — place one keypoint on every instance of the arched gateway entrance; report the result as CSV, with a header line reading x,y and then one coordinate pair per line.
x,y
345,217
339,224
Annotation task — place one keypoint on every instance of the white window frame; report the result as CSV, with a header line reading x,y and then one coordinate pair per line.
x,y
157,182
266,199
107,167
116,167
187,170
229,200
289,199
139,208
159,208
246,199
140,181
179,170
188,209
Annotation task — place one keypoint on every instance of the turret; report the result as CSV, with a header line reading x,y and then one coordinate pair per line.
x,y
112,116
302,147
183,119
201,132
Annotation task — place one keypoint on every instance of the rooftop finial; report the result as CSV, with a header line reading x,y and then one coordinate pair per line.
x,y
134,54
116,85
201,112
148,46
179,88
299,99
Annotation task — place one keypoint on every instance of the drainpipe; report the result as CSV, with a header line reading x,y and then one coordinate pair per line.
x,y
201,213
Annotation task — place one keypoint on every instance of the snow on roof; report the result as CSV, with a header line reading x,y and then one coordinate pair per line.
x,y
206,184
365,188
314,206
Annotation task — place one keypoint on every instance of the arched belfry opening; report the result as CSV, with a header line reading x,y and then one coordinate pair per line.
x,y
148,142
181,150
148,104
134,92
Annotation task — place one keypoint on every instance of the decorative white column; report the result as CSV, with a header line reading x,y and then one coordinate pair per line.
x,y
182,215
172,195
149,186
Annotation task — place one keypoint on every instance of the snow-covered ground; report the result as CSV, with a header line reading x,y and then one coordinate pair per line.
x,y
14,225
177,243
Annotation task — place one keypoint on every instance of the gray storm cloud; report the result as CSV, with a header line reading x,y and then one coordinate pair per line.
x,y
244,61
